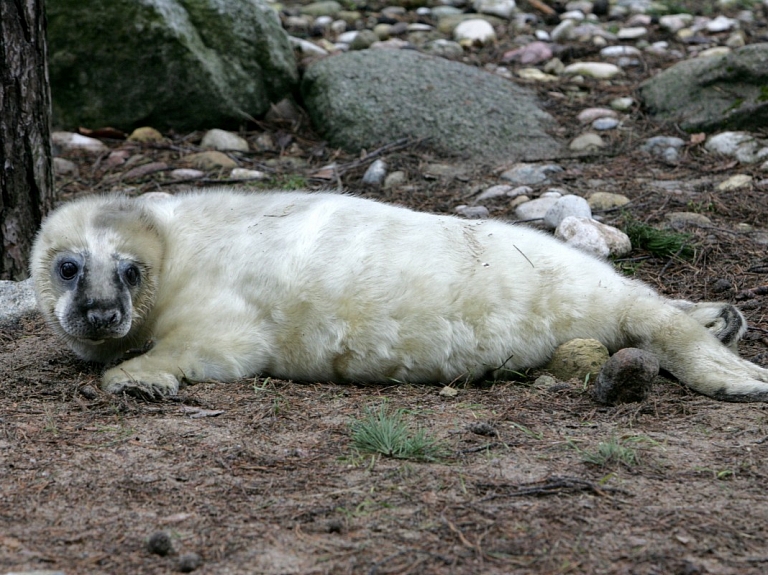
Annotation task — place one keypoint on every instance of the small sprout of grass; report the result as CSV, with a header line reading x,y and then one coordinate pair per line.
x,y
384,431
527,431
725,474
259,388
615,451
660,243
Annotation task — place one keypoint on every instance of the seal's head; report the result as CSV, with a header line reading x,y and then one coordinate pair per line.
x,y
95,266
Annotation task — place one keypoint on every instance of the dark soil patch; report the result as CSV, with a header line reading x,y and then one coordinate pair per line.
x,y
259,476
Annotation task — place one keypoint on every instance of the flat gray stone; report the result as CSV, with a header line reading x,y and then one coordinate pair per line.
x,y
181,64
715,93
17,299
464,111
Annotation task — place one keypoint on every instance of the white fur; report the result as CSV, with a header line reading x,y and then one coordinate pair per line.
x,y
330,287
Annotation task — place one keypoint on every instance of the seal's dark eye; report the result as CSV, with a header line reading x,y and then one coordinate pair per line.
x,y
132,275
68,270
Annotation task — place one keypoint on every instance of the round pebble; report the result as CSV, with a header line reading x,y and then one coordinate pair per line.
x,y
188,562
160,543
605,124
88,392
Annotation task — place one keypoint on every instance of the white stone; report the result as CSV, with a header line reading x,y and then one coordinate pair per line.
x,y
73,141
588,115
593,237
419,27
535,209
502,8
622,104
187,174
602,124
734,183
475,31
536,75
586,142
599,70
244,174
633,33
306,47
563,31
222,140
721,24
347,37
565,207
675,22
617,51
576,15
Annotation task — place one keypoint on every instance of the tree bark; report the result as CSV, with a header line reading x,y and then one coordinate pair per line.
x,y
26,177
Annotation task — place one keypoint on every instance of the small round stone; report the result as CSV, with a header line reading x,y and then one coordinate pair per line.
x,y
188,562
160,543
88,392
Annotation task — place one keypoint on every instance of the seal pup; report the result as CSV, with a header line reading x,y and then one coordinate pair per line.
x,y
223,284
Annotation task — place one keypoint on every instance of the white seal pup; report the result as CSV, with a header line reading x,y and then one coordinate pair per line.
x,y
224,284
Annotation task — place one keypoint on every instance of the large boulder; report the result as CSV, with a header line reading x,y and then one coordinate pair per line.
x,y
365,99
714,93
181,64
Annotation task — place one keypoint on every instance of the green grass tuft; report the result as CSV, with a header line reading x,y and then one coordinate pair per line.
x,y
661,243
384,431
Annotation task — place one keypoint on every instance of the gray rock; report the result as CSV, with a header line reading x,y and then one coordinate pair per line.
x,y
664,147
375,173
661,142
740,145
497,191
626,377
444,48
530,174
473,212
606,200
567,206
17,299
64,167
394,180
577,358
677,220
181,64
363,40
715,93
354,109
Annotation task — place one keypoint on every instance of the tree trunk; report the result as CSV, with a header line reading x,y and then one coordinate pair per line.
x,y
26,178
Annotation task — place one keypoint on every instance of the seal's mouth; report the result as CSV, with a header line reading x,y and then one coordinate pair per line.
x,y
91,341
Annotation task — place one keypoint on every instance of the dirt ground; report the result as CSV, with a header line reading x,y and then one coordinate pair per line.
x,y
260,476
